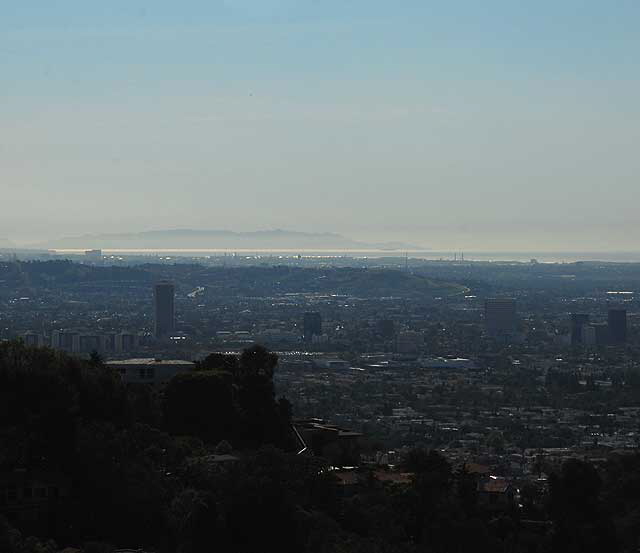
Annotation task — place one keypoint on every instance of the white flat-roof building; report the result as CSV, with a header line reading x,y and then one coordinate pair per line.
x,y
149,371
447,363
331,363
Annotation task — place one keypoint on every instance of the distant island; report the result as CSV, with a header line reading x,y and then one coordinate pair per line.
x,y
189,239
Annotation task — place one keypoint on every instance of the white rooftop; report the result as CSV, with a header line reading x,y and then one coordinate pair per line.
x,y
149,361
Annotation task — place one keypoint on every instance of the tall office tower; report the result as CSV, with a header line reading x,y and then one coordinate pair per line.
x,y
409,341
578,321
596,334
386,328
163,295
618,325
500,316
312,325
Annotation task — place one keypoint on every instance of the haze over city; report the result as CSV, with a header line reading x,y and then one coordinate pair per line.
x,y
492,126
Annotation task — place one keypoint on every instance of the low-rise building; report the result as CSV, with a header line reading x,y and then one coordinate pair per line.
x,y
149,371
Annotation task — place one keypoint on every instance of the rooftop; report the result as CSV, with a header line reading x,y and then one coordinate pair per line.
x,y
149,361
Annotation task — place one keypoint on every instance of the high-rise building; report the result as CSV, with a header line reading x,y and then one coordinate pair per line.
x,y
66,340
93,256
617,325
409,341
32,338
386,328
312,325
500,316
109,342
578,321
126,341
89,342
163,300
595,334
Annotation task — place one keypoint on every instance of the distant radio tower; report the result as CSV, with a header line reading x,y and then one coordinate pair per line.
x,y
406,262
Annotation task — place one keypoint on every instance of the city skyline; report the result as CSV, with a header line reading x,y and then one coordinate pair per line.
x,y
319,275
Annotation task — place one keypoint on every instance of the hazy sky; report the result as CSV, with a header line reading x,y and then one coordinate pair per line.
x,y
487,125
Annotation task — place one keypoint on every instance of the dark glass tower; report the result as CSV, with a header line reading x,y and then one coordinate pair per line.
x,y
500,316
618,325
312,325
578,321
163,301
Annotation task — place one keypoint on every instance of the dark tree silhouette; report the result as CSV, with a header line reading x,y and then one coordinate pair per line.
x,y
580,521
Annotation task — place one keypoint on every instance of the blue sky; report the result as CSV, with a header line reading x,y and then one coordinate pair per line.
x,y
482,125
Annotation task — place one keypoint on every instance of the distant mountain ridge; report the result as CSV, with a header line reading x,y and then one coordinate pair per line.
x,y
220,239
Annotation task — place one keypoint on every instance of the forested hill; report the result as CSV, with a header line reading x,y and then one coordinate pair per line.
x,y
237,281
